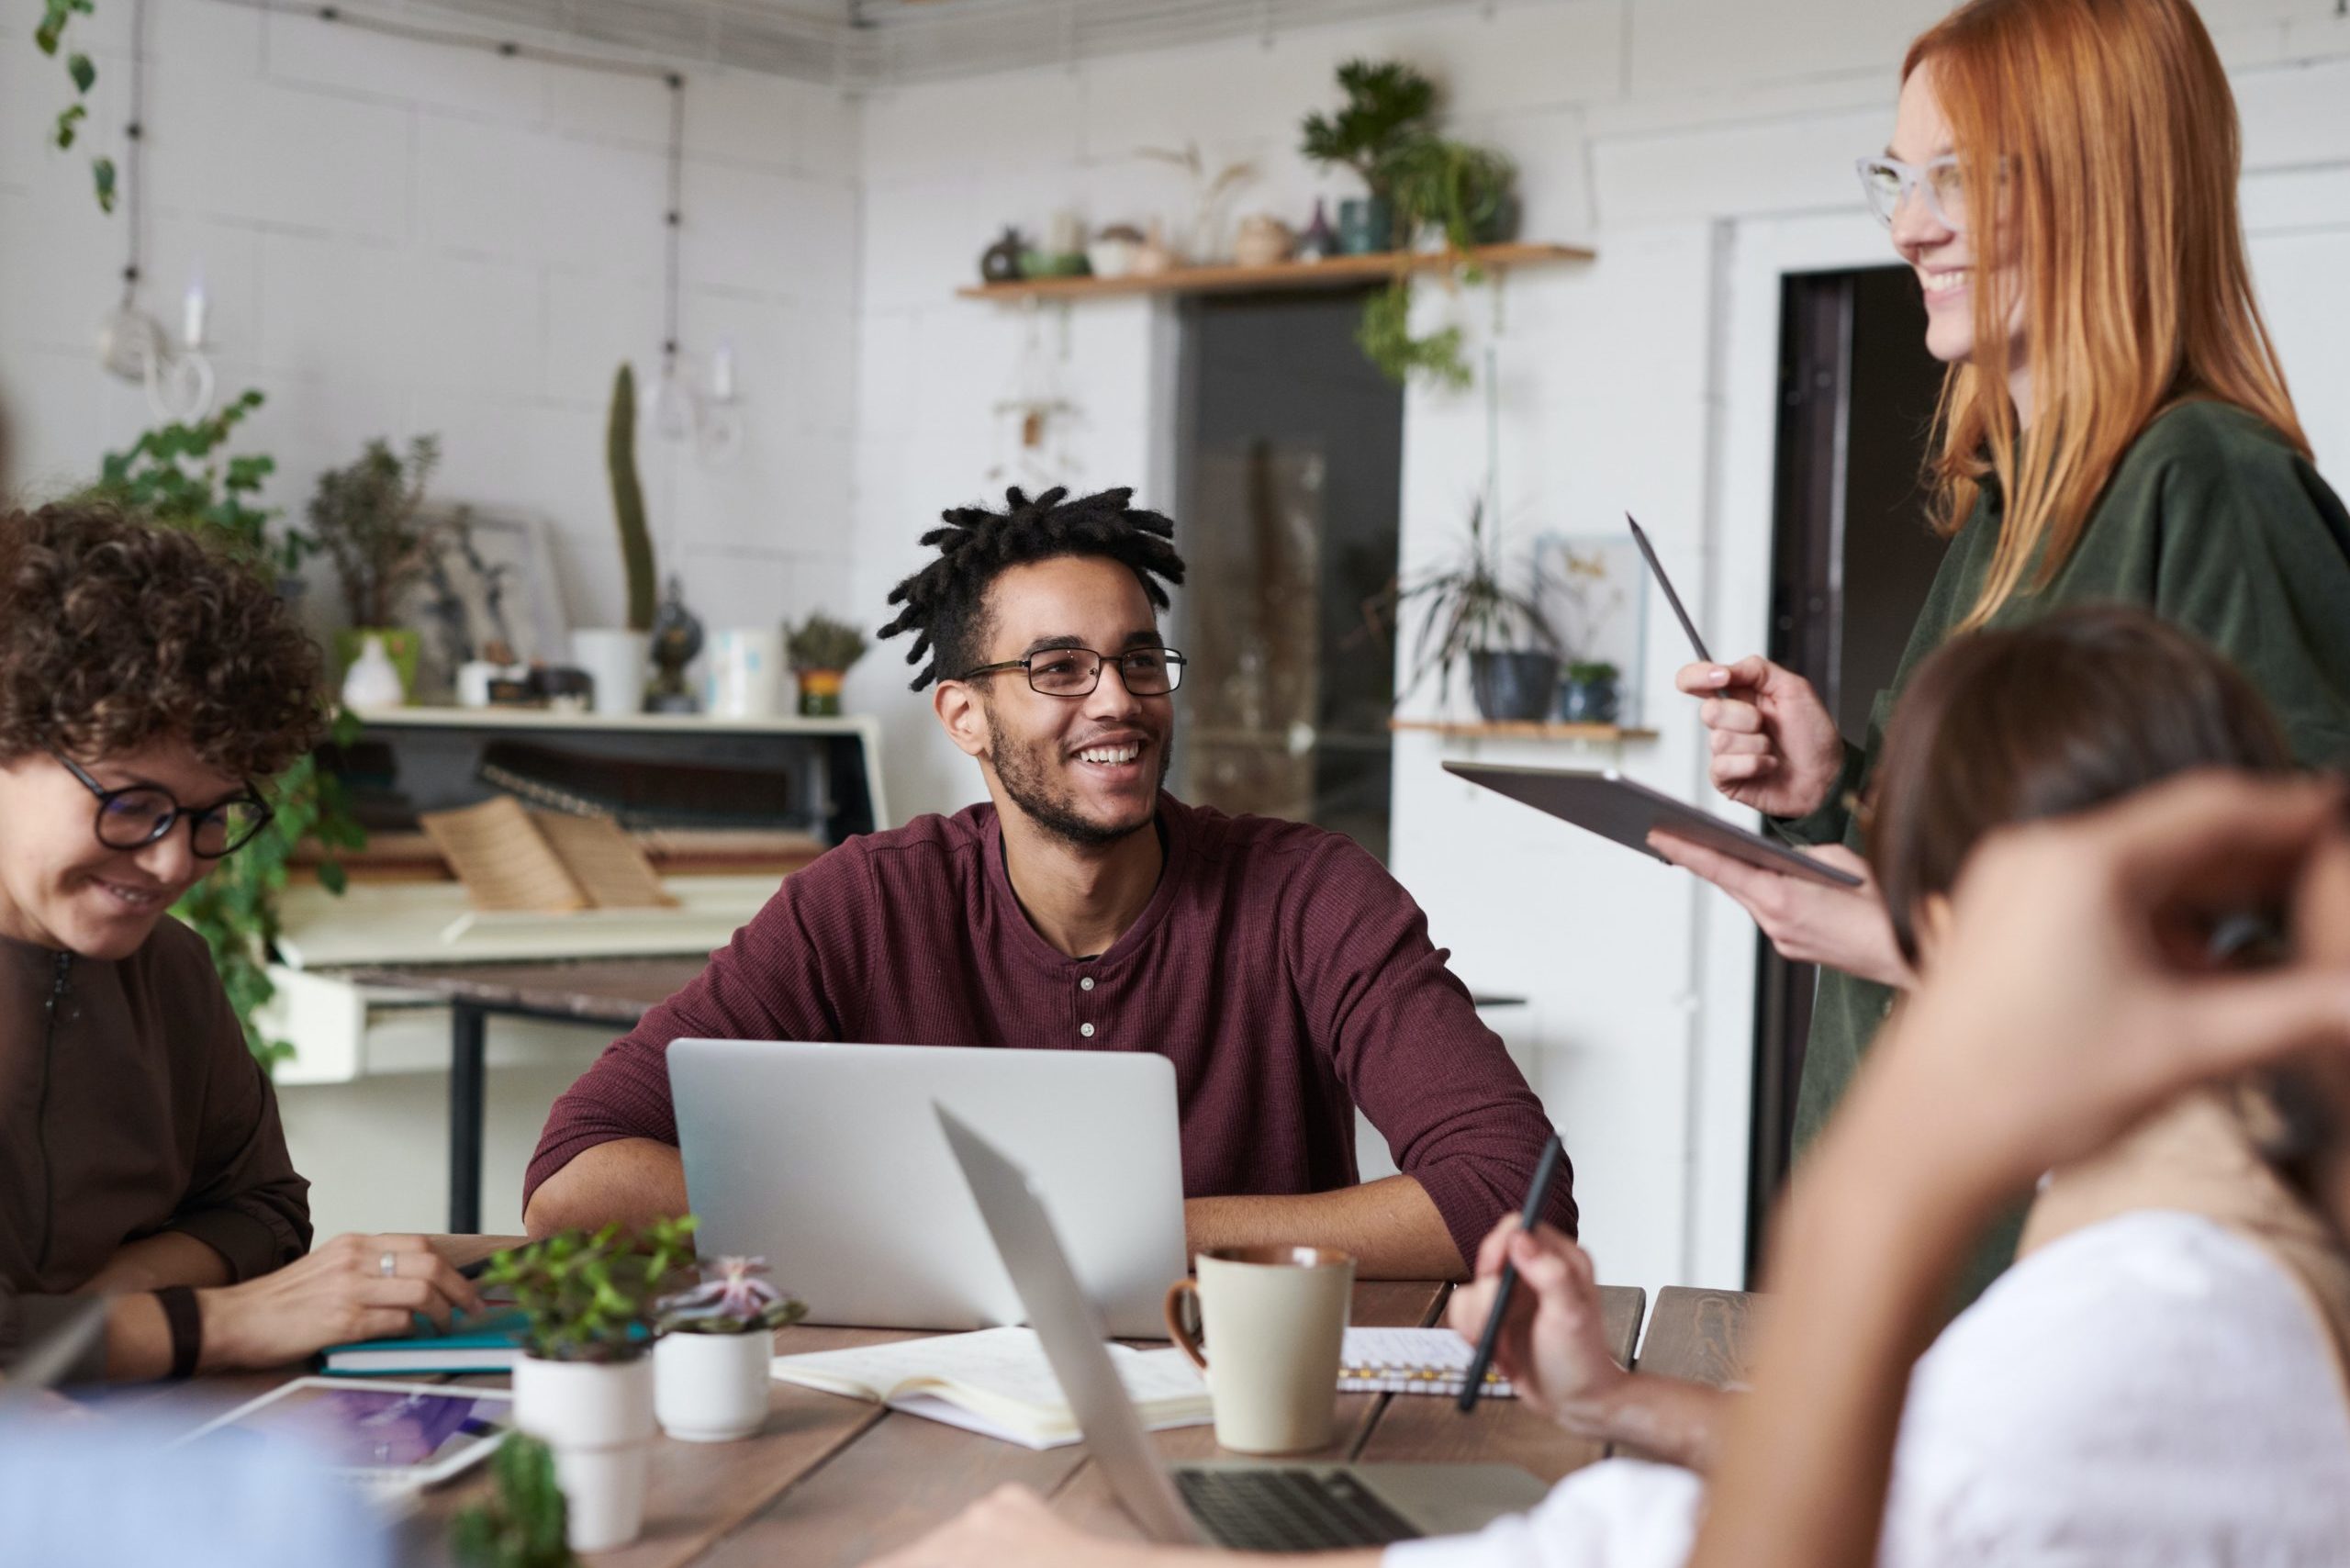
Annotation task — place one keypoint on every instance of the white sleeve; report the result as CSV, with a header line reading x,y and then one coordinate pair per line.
x,y
2150,1390
1621,1512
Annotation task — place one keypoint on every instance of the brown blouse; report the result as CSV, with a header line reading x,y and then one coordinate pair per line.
x,y
130,1105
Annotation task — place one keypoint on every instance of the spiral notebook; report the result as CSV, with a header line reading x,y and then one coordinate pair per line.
x,y
1410,1361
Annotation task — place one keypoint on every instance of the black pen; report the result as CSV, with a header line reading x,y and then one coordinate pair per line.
x,y
1648,554
1546,1173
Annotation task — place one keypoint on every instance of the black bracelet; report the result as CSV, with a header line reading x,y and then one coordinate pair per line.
x,y
186,1320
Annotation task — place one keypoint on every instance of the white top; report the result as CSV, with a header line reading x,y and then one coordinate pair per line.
x,y
2149,1391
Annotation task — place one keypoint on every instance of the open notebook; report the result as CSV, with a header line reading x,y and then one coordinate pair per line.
x,y
997,1382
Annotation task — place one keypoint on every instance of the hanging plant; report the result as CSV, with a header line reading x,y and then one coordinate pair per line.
x,y
57,18
1384,335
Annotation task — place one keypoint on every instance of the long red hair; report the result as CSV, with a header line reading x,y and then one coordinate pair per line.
x,y
2099,146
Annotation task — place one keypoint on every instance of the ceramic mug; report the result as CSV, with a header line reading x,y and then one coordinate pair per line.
x,y
1275,1319
744,679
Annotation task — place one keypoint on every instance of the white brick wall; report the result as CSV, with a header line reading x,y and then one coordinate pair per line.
x,y
400,238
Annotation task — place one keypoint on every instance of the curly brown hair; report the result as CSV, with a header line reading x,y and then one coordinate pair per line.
x,y
116,633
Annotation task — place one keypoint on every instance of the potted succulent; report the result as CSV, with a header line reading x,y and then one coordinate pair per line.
x,y
711,1367
521,1525
1388,103
583,1384
1471,615
370,519
821,651
1590,695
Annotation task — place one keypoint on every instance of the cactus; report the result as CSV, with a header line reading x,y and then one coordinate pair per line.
x,y
628,501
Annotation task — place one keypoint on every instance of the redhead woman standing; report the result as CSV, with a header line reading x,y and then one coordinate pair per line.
x,y
2114,426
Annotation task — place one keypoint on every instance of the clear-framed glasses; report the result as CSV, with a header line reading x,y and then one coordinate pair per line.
x,y
139,814
1075,672
1889,181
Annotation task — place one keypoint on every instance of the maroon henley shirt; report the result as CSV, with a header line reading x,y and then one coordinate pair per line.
x,y
1281,968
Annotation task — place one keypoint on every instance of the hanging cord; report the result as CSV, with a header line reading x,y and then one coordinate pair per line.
x,y
134,183
677,217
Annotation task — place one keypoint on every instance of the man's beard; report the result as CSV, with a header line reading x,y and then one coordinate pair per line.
x,y
1024,775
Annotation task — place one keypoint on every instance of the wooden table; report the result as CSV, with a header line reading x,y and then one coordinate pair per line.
x,y
611,994
830,1481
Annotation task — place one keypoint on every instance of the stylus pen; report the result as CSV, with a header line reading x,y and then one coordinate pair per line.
x,y
1545,1172
1648,554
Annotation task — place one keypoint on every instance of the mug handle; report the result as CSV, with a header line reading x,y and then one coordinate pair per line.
x,y
1186,1340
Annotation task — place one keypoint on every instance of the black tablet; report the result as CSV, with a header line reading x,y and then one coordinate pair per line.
x,y
1613,807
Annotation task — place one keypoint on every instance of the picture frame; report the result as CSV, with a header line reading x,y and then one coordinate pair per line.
x,y
493,577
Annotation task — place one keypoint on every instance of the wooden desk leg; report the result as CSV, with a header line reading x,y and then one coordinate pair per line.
x,y
467,1035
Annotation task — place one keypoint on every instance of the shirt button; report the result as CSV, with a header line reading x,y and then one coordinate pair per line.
x,y
1085,984
1086,1030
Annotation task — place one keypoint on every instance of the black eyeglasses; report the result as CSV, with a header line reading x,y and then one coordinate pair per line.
x,y
1075,672
139,814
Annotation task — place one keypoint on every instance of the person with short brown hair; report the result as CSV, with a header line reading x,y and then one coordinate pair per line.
x,y
149,685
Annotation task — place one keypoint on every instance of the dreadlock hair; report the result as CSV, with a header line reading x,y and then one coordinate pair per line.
x,y
946,602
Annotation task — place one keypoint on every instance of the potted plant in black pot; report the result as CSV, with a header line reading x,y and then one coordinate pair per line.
x,y
1467,612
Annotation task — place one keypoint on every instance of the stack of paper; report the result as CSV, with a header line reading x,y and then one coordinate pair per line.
x,y
997,1382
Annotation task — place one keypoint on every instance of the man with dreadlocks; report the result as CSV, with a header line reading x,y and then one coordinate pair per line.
x,y
1279,968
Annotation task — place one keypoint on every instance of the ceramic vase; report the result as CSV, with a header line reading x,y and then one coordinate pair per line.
x,y
616,660
598,1420
1366,225
372,681
820,693
711,1388
401,645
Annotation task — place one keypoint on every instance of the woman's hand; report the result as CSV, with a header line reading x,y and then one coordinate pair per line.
x,y
339,1292
1775,747
1013,1524
2055,1015
1808,922
1553,1345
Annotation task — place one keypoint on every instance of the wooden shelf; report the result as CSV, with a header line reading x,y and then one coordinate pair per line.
x,y
1518,730
1337,272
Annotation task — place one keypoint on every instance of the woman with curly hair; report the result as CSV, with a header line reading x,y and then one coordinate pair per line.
x,y
149,684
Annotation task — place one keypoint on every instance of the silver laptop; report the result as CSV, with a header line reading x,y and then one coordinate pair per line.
x,y
827,1161
1248,1506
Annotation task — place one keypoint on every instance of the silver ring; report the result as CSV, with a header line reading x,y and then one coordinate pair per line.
x,y
388,1264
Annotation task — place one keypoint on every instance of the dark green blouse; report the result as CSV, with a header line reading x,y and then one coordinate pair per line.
x,y
2216,524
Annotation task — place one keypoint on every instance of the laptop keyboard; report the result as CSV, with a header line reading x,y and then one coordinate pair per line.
x,y
1289,1510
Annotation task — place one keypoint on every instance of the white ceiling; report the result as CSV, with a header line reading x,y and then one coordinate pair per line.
x,y
871,44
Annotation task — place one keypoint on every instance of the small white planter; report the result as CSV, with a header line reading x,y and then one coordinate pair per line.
x,y
598,1417
616,659
712,1388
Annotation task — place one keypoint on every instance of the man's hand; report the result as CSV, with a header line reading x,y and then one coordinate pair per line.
x,y
1553,1345
1774,744
1808,922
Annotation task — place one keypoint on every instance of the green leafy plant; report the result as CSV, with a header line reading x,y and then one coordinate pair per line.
x,y
182,476
1387,103
371,520
733,1297
1462,189
821,643
56,21
628,501
1592,672
523,1524
1469,609
595,1297
1384,335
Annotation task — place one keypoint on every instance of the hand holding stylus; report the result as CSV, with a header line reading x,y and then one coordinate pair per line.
x,y
1773,745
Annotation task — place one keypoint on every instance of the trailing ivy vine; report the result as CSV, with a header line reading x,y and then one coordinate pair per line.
x,y
56,19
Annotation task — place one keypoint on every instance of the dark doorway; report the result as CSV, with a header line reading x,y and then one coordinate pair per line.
x,y
1853,557
1290,490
